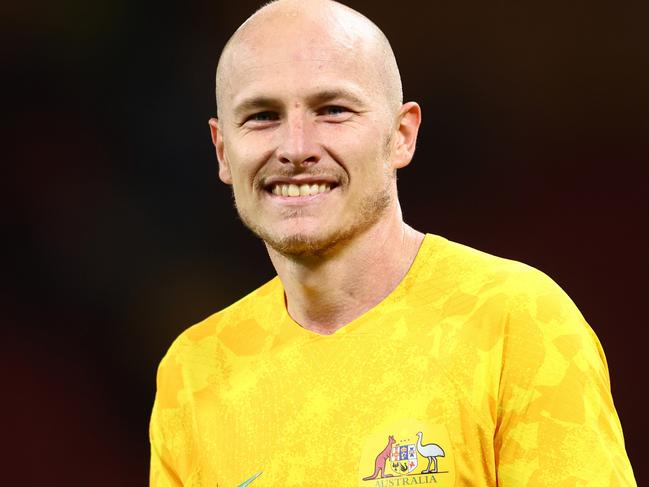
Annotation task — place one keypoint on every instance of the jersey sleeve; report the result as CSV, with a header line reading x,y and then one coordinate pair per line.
x,y
556,425
167,433
162,473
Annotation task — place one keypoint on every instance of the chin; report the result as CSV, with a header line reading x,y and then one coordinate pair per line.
x,y
302,245
304,239
311,244
294,238
292,242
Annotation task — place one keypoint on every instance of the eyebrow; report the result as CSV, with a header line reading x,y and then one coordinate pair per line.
x,y
266,102
255,103
334,94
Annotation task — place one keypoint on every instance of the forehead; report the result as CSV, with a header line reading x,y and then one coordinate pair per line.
x,y
296,32
299,56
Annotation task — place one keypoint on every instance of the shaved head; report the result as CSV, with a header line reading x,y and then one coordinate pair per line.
x,y
309,100
323,24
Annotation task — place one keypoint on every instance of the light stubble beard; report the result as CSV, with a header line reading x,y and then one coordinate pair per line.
x,y
298,245
370,212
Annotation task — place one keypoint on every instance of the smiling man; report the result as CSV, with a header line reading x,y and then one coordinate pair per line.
x,y
378,355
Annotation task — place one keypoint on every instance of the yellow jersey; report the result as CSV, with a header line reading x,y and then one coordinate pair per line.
x,y
474,371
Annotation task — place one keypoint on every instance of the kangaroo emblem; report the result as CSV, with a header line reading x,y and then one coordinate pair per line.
x,y
381,460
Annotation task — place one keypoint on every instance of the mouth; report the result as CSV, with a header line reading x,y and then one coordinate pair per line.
x,y
300,189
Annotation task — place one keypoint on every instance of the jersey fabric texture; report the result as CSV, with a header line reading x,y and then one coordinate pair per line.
x,y
474,371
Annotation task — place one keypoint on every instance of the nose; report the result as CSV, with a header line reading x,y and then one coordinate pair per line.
x,y
298,143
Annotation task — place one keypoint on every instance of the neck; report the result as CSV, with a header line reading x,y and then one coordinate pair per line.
x,y
324,293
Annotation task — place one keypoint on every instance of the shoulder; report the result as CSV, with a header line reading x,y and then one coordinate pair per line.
x,y
458,267
509,297
540,330
469,263
195,347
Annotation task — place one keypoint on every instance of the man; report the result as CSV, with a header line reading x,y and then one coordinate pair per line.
x,y
378,356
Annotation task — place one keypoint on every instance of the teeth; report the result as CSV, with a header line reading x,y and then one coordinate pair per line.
x,y
294,190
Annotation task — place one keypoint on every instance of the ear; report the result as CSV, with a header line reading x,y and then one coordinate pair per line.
x,y
407,128
217,139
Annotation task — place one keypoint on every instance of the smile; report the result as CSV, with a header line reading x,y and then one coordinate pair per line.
x,y
296,190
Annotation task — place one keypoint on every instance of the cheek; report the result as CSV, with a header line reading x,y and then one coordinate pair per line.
x,y
240,178
238,163
355,140
248,154
242,187
366,156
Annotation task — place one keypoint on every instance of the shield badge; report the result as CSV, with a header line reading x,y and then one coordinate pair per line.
x,y
408,457
403,458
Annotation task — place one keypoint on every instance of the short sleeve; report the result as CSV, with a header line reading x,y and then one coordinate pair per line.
x,y
167,433
557,425
161,473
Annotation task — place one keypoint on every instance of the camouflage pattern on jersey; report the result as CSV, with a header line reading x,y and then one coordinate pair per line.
x,y
474,371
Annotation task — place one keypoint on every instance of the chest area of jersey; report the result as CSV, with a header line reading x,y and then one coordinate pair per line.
x,y
369,411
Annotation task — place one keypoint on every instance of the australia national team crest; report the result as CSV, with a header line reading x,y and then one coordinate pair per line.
x,y
407,452
404,458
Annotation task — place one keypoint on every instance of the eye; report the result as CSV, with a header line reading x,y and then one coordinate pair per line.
x,y
335,113
334,110
266,116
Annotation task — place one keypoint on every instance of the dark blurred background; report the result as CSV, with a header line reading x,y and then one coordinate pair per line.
x,y
534,146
